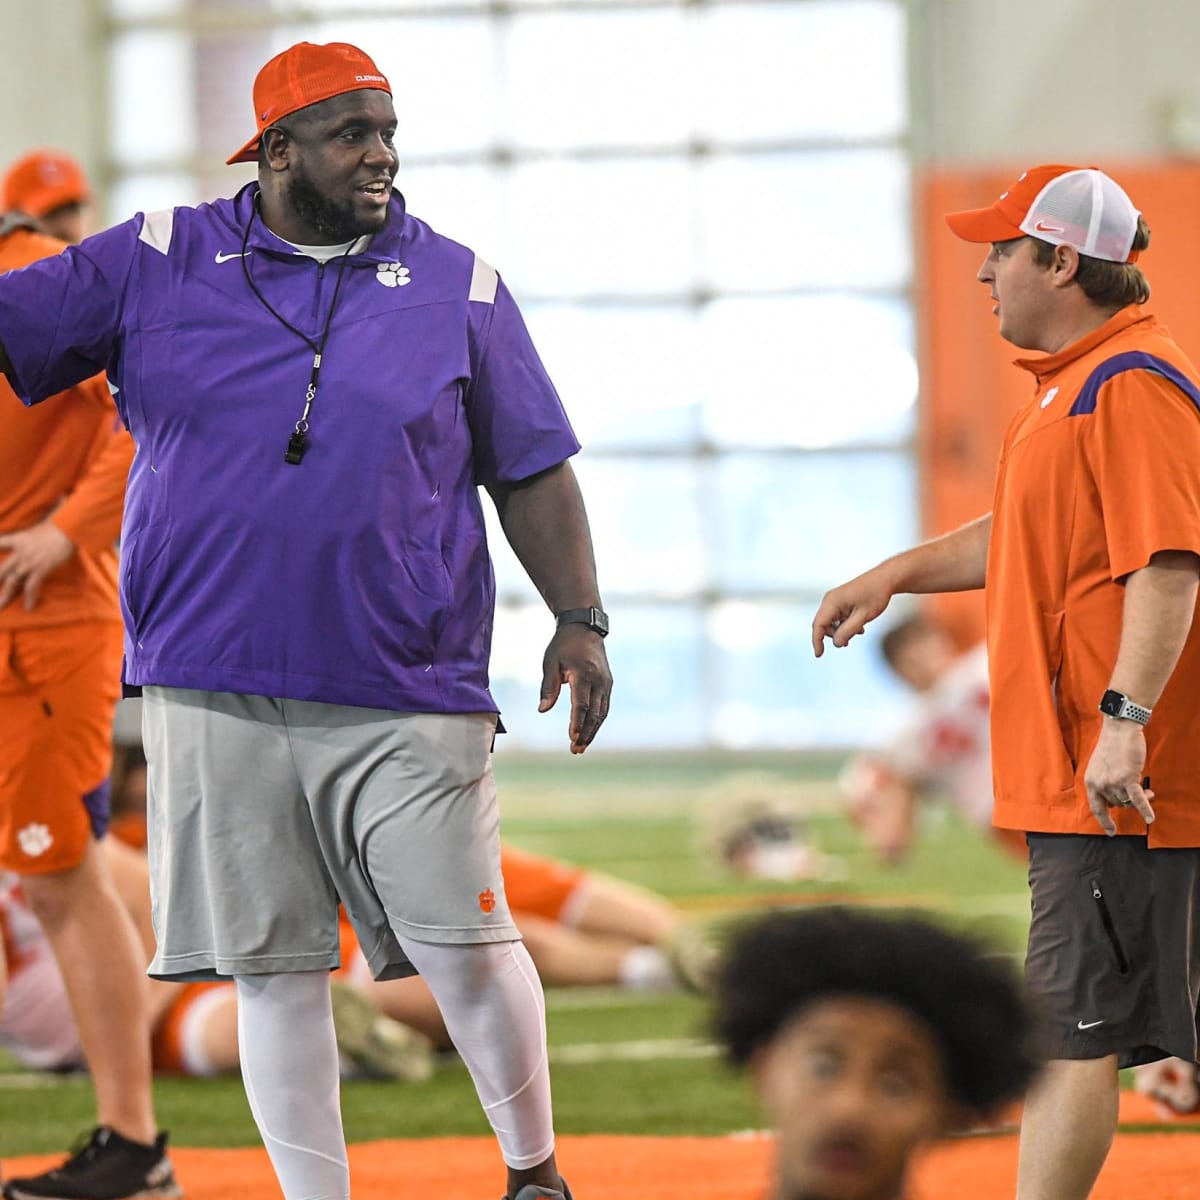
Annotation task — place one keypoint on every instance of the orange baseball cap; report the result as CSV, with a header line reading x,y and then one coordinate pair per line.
x,y
41,181
306,74
1063,205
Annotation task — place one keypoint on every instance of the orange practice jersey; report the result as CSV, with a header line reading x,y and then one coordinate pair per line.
x,y
537,886
67,459
1098,473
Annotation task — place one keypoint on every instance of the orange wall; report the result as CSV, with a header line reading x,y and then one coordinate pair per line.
x,y
969,387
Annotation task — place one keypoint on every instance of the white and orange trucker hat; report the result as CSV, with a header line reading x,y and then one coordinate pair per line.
x,y
1066,206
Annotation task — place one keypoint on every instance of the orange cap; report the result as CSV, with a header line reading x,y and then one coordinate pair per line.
x,y
1063,205
42,181
306,74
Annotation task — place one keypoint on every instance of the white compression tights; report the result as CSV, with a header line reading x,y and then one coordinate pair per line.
x,y
290,1070
491,1000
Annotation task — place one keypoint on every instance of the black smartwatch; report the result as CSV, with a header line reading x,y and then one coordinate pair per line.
x,y
596,619
1117,704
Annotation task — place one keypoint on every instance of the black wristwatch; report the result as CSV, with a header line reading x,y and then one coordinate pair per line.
x,y
596,619
1119,705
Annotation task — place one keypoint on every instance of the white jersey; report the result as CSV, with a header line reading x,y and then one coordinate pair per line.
x,y
946,746
36,1023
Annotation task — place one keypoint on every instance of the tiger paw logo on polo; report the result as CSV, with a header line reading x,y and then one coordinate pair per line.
x,y
487,901
393,275
35,839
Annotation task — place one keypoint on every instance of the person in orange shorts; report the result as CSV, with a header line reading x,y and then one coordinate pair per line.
x,y
62,480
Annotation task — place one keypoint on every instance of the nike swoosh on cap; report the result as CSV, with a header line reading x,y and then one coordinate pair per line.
x,y
226,257
1042,227
1089,1025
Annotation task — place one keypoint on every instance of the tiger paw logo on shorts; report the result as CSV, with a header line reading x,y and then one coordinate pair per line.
x,y
487,901
393,274
35,839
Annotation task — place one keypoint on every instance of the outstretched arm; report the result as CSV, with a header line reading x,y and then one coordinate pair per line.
x,y
956,562
545,523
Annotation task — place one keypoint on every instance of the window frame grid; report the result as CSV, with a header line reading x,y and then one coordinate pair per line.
x,y
201,22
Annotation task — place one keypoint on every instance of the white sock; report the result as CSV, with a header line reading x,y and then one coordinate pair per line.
x,y
193,1030
491,1000
290,1071
647,969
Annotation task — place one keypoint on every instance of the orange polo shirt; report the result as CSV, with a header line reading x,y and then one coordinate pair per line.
x,y
67,459
1098,472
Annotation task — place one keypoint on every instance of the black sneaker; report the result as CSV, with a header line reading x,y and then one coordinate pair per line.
x,y
106,1166
531,1191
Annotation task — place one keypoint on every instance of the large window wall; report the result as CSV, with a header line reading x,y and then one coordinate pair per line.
x,y
703,209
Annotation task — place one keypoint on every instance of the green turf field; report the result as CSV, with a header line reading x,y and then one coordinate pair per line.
x,y
622,1063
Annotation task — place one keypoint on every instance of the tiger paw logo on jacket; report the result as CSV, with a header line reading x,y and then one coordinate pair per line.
x,y
393,274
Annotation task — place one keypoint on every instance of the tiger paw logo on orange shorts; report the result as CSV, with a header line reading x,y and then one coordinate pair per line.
x,y
487,901
36,839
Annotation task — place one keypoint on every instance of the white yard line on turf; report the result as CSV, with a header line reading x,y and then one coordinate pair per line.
x,y
652,1049
13,1081
577,1054
603,997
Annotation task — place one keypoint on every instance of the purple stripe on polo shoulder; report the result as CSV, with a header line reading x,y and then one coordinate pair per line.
x,y
1131,360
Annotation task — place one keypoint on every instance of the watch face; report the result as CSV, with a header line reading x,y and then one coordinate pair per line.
x,y
1110,703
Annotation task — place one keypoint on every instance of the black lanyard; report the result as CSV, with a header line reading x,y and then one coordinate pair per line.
x,y
298,442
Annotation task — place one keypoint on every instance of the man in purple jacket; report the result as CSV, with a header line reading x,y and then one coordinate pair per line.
x,y
317,384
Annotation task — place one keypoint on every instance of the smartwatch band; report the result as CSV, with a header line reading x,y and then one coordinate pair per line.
x,y
596,619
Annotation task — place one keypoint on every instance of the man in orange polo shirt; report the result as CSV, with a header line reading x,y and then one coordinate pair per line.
x,y
1091,557
62,486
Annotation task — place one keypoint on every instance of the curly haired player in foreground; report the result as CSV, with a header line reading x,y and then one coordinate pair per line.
x,y
865,1037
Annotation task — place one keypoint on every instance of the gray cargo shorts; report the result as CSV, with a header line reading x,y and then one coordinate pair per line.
x,y
262,814
1114,947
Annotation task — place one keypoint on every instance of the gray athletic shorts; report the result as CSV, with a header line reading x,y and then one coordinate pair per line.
x,y
263,813
1114,947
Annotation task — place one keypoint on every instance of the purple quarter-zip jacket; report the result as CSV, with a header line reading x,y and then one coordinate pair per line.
x,y
360,576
